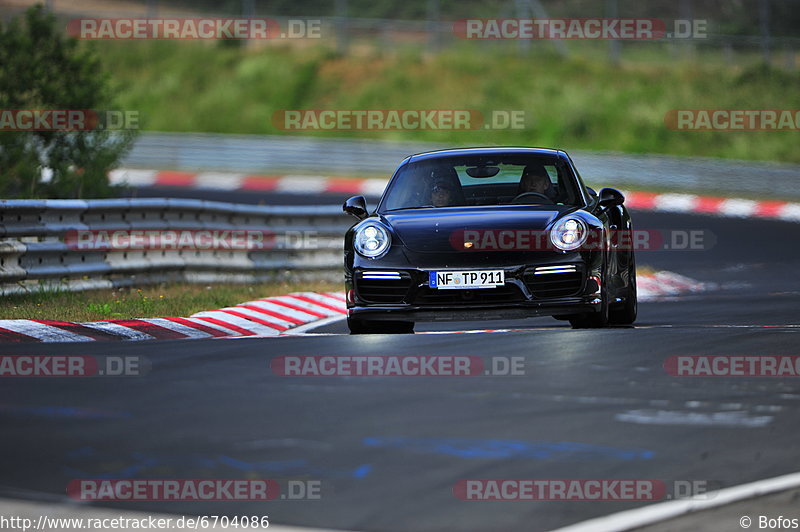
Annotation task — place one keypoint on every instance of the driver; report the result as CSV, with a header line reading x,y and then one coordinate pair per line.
x,y
535,179
442,193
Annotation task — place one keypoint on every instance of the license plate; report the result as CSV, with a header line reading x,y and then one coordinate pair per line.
x,y
451,280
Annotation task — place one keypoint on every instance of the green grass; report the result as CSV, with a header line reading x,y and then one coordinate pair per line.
x,y
580,103
166,300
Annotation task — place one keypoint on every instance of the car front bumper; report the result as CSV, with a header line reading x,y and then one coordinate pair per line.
x,y
525,294
527,309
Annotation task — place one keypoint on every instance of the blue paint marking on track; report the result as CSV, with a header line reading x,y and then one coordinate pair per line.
x,y
362,471
472,448
60,412
140,464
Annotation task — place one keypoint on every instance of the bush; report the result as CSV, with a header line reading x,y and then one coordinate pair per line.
x,y
41,68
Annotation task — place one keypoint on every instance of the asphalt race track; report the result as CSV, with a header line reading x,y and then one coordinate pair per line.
x,y
388,451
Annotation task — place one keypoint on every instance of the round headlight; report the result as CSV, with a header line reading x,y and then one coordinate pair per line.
x,y
371,240
569,234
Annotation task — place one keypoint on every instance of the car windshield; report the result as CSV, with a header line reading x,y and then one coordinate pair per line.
x,y
477,180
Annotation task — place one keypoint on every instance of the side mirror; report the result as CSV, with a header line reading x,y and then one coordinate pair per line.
x,y
610,197
357,206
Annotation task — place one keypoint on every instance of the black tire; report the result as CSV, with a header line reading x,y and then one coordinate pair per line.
x,y
626,315
357,326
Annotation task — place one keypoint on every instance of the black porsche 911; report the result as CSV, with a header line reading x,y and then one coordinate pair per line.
x,y
489,233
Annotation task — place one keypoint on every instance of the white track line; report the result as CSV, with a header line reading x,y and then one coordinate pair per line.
x,y
655,513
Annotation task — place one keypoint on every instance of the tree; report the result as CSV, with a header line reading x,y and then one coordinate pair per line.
x,y
42,68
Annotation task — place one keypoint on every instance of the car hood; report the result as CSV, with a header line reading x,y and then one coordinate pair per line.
x,y
442,230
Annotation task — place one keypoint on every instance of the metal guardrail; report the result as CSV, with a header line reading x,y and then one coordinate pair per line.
x,y
35,253
282,154
269,153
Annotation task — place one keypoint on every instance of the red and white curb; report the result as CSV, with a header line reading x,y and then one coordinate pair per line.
x,y
273,316
270,316
731,207
308,184
287,184
663,285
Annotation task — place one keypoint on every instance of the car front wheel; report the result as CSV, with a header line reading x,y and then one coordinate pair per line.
x,y
626,315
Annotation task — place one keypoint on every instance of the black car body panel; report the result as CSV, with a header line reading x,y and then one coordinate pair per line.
x,y
434,239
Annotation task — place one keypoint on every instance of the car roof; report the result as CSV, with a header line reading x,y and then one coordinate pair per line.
x,y
494,150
